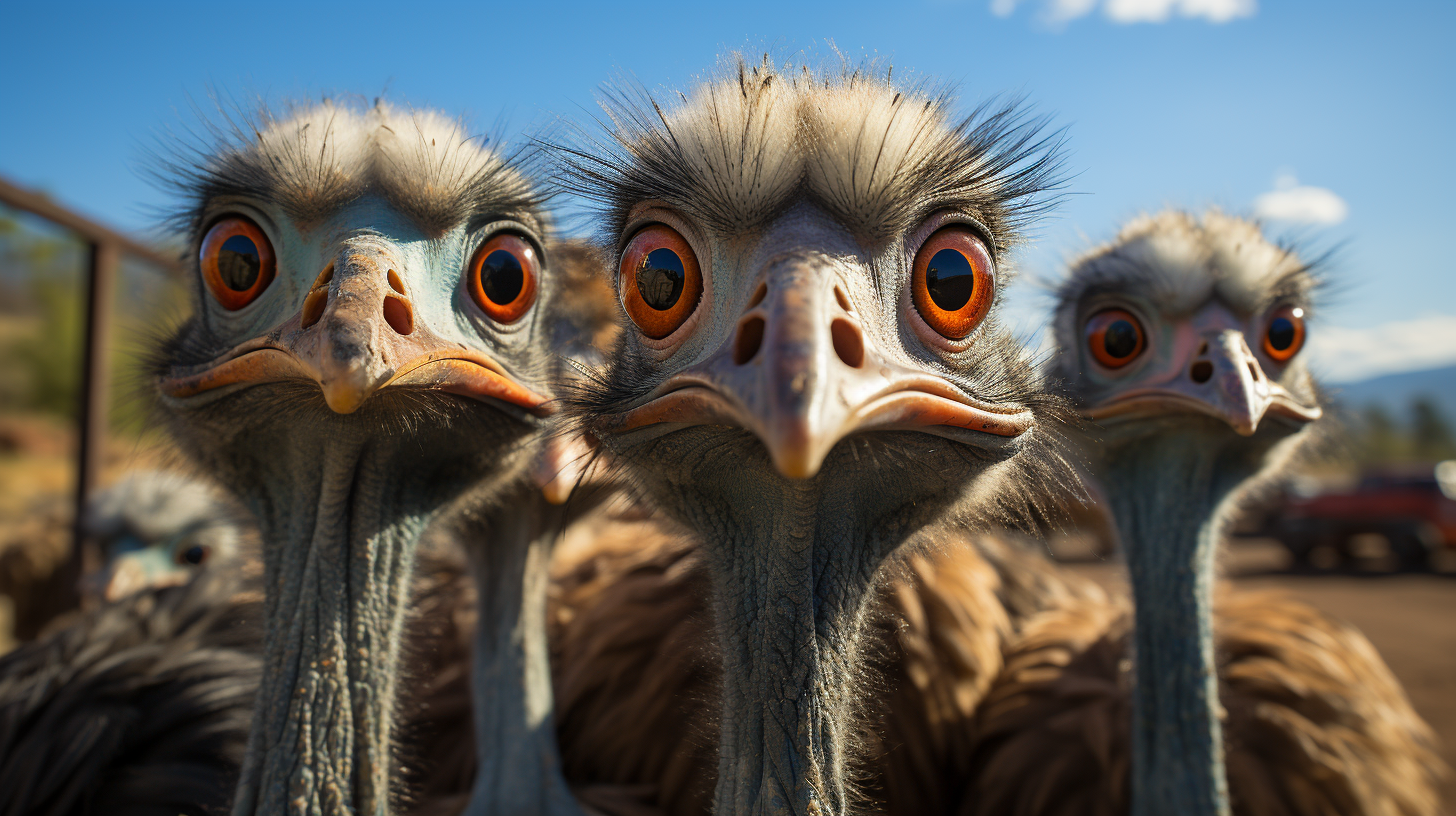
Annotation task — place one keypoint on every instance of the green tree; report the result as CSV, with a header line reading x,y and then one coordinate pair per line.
x,y
1431,437
1378,438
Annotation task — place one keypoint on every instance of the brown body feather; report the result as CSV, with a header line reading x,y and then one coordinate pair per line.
x,y
1314,721
637,680
1003,688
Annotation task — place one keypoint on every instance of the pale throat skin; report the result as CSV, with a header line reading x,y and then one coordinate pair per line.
x,y
798,490
345,454
1181,433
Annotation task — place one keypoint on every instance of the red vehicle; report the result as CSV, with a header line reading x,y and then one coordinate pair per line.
x,y
1413,509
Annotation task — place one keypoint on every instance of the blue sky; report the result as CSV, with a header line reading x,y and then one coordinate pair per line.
x,y
1345,109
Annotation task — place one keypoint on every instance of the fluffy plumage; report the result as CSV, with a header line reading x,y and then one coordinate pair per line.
x,y
140,707
311,160
631,642
877,154
1315,723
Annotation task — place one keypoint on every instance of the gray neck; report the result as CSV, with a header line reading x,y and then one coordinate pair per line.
x,y
791,587
340,536
519,766
1169,496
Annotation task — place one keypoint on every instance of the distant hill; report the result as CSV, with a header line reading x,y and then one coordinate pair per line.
x,y
1394,392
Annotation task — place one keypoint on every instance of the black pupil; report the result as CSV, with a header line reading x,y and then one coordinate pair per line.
x,y
194,555
950,279
1120,339
1281,333
501,277
238,263
660,279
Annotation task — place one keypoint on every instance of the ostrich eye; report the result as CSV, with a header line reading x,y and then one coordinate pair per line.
x,y
660,281
193,555
952,283
1115,337
1285,334
502,277
237,262
950,279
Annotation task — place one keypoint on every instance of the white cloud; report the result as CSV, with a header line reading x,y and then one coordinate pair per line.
x,y
1059,12
1158,11
1289,201
1342,354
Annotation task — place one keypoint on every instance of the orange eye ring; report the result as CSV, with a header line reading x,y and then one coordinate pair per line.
x,y
237,262
660,281
952,285
1284,335
1115,337
502,277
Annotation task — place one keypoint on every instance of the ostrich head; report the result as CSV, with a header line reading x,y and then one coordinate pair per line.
x,y
1181,341
810,263
155,529
1180,316
368,342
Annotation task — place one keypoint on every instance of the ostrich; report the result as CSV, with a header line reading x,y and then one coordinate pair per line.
x,y
371,344
1181,340
810,262
140,706
155,528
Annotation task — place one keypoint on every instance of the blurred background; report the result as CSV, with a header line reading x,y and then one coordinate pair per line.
x,y
1329,119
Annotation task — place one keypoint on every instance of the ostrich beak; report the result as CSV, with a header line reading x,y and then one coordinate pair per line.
x,y
1224,379
801,373
135,571
356,332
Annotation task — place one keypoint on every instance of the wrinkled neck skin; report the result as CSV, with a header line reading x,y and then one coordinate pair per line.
x,y
792,564
341,502
519,765
1172,486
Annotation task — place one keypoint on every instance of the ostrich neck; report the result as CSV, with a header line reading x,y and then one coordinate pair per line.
x,y
519,766
1168,496
791,586
340,532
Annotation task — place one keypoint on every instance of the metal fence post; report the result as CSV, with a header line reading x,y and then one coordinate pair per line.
x,y
105,259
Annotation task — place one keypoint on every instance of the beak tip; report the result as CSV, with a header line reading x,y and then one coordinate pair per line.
x,y
344,399
798,464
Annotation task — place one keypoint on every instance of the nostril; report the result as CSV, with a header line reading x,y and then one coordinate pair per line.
x,y
1201,372
1253,371
399,315
758,296
750,337
313,306
847,342
317,298
1203,349
395,283
843,299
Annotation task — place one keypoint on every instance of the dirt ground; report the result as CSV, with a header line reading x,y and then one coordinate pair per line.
x,y
1411,619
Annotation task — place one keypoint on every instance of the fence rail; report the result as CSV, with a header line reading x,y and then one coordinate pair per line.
x,y
107,246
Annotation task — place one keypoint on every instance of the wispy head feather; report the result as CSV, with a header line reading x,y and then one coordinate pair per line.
x,y
313,159
743,146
